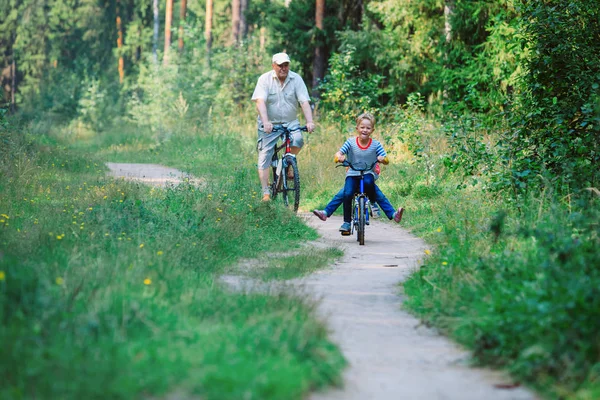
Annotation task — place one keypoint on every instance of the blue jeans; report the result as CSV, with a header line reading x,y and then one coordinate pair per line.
x,y
378,197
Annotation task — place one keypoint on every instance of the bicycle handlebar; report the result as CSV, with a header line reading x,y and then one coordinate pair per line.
x,y
361,166
284,129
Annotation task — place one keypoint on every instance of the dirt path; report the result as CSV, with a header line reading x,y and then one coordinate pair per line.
x,y
391,355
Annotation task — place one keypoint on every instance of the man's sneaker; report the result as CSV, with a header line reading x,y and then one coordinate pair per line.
x,y
321,214
376,210
398,215
345,227
266,197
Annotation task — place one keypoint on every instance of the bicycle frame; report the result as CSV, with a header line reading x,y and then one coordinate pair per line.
x,y
360,204
289,187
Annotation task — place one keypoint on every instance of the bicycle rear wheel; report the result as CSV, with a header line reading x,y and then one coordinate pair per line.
x,y
291,187
360,229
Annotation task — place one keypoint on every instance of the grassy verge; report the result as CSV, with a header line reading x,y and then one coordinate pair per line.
x,y
519,284
109,289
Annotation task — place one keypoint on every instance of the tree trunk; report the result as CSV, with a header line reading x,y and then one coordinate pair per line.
x,y
448,11
13,76
319,61
120,43
235,21
182,13
156,29
168,20
208,30
243,23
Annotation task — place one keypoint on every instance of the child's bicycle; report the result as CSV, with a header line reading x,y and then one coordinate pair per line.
x,y
361,208
288,187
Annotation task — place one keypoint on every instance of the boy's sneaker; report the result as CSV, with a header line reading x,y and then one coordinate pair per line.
x,y
321,214
345,228
376,210
398,215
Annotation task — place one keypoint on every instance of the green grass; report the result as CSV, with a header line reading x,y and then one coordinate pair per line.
x,y
110,289
284,267
517,283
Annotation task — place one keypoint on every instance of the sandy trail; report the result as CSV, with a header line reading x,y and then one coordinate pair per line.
x,y
391,355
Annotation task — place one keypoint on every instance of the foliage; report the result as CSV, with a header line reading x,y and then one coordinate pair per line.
x,y
555,124
109,288
348,91
520,290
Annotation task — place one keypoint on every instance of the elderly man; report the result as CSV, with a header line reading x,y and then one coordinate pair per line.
x,y
278,95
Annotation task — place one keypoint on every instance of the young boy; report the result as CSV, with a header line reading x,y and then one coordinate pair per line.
x,y
360,149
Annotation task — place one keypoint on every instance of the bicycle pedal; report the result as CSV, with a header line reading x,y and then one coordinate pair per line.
x,y
346,233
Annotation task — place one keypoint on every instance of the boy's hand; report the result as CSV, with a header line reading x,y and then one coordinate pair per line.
x,y
383,160
339,158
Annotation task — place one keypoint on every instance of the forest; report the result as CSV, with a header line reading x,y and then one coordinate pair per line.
x,y
491,110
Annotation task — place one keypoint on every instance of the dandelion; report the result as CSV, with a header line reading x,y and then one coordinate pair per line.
x,y
59,237
90,209
4,216
105,197
106,234
59,280
218,219
427,251
438,230
444,263
159,253
147,281
142,246
2,275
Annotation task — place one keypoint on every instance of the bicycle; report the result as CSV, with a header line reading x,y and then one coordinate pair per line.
x,y
361,207
289,188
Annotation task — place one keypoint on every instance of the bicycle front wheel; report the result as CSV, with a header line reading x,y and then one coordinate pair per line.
x,y
291,186
360,229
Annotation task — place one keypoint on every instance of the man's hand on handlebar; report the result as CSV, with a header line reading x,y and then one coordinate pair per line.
x,y
310,127
268,127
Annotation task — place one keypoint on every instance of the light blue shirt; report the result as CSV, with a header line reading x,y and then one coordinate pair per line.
x,y
282,101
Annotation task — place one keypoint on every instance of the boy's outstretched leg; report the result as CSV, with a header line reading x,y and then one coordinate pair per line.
x,y
398,215
335,202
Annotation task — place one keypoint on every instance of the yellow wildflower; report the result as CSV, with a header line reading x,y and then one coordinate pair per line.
x,y
59,280
147,281
444,263
438,230
427,251
142,246
2,276
159,253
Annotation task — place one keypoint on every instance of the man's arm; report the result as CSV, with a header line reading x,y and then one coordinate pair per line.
x,y
310,126
261,106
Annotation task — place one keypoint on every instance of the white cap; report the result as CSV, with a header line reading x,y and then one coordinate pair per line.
x,y
281,58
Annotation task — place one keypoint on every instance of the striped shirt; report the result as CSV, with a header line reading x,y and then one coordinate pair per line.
x,y
359,154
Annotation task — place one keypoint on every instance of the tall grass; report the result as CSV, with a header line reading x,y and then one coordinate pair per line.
x,y
110,289
517,282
